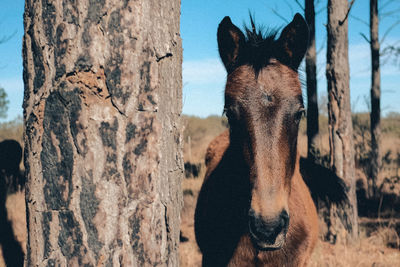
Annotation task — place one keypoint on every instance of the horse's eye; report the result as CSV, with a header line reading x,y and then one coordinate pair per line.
x,y
299,114
232,112
228,113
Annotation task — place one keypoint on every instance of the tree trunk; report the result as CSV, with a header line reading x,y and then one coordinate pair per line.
x,y
102,132
375,99
343,225
311,72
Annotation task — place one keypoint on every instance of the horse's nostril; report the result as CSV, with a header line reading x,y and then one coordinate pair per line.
x,y
268,230
284,216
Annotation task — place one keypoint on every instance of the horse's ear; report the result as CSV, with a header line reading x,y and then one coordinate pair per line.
x,y
293,42
230,41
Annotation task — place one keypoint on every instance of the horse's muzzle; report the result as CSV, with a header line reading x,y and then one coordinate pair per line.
x,y
268,234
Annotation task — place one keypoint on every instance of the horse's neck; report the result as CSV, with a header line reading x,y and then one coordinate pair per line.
x,y
235,154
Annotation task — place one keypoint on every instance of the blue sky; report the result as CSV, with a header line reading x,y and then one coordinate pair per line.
x,y
203,74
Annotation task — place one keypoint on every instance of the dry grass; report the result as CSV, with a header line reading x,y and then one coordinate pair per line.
x,y
370,251
16,214
372,248
12,130
189,252
198,134
2,263
15,205
364,254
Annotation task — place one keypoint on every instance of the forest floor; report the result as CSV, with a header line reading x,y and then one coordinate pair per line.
x,y
379,241
370,250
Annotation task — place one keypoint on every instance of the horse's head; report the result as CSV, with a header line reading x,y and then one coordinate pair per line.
x,y
263,103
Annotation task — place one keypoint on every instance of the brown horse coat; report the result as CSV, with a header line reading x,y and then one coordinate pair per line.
x,y
254,208
303,228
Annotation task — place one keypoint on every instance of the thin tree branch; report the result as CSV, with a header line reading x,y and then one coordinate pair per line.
x,y
384,5
365,37
279,15
389,51
389,30
348,11
385,61
386,53
360,20
300,5
389,13
6,38
290,7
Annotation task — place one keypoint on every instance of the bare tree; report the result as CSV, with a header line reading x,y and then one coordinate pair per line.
x,y
311,73
343,223
102,132
375,114
377,13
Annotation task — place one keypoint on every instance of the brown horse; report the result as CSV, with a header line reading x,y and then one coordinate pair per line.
x,y
254,208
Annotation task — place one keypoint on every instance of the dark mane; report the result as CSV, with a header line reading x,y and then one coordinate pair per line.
x,y
259,46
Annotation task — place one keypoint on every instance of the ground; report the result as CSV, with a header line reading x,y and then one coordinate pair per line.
x,y
379,241
369,251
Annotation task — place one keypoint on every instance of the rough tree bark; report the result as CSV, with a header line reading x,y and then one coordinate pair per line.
x,y
102,137
375,114
311,73
343,223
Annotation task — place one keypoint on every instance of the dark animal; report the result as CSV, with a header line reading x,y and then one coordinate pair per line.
x,y
10,158
254,208
10,176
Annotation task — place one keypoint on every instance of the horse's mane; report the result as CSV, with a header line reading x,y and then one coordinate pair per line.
x,y
259,46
